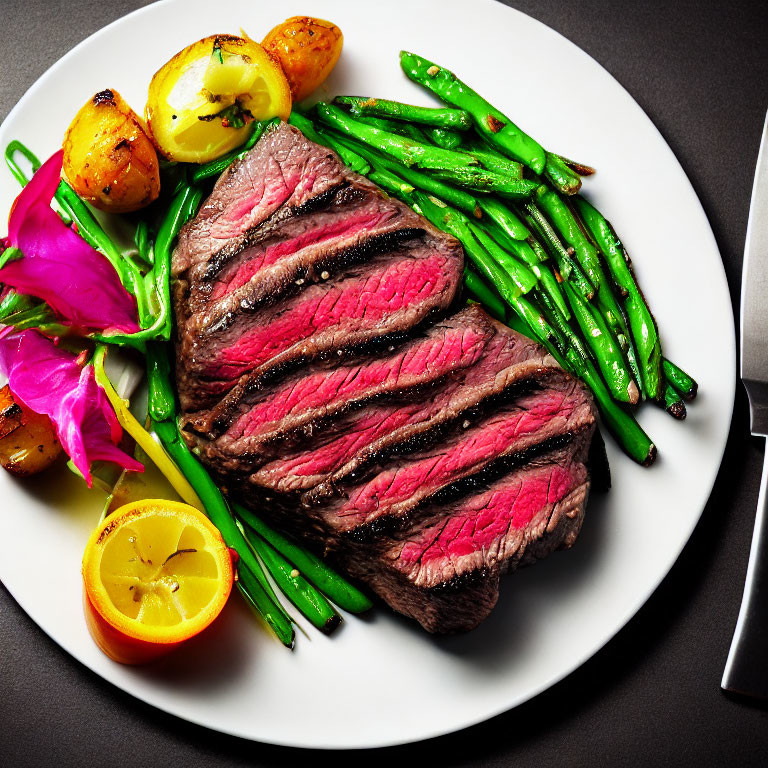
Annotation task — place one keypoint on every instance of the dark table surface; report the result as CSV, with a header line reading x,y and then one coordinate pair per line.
x,y
652,696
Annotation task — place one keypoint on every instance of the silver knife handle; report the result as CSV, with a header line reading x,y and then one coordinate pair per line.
x,y
746,670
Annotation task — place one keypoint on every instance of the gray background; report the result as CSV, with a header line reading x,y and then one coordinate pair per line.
x,y
652,696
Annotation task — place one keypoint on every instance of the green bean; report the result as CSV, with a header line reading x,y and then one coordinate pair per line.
x,y
503,216
143,241
438,117
673,402
484,295
495,162
183,207
330,583
493,125
161,402
448,165
572,356
263,601
525,251
456,224
607,356
295,587
392,126
566,264
443,138
523,277
580,168
588,257
641,322
565,223
680,380
390,183
561,175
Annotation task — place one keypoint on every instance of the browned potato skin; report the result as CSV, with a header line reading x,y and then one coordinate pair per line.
x,y
307,49
108,158
28,442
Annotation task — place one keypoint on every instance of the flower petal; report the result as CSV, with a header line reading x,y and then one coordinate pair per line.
x,y
48,379
58,266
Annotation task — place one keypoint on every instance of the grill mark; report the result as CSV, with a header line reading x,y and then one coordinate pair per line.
x,y
256,234
372,246
390,525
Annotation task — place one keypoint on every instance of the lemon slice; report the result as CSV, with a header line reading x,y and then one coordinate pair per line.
x,y
156,573
201,101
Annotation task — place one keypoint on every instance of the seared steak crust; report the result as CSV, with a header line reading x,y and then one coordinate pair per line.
x,y
324,380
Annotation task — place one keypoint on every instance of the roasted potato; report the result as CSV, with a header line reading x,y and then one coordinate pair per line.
x,y
108,158
28,442
201,101
307,50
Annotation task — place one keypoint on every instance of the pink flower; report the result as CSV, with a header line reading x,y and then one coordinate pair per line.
x,y
58,266
49,380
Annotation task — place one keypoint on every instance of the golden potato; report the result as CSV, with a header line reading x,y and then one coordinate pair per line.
x,y
201,101
307,50
28,442
108,158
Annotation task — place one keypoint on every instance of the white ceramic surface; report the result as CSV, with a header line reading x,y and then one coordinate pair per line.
x,y
380,680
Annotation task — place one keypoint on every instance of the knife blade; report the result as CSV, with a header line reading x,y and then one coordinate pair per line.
x,y
746,671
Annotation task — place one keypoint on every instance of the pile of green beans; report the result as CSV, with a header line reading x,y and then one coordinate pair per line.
x,y
541,257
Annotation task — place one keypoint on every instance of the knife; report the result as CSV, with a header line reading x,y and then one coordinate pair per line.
x,y
746,671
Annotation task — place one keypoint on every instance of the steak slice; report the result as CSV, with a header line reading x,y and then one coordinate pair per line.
x,y
368,301
300,242
347,444
551,413
329,388
444,570
283,170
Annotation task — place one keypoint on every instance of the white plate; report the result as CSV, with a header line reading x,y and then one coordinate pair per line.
x,y
381,680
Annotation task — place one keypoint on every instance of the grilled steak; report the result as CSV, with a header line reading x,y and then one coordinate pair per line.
x,y
326,378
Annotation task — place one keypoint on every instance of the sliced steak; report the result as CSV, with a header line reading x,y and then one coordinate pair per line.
x,y
551,413
444,570
319,383
510,361
327,388
395,290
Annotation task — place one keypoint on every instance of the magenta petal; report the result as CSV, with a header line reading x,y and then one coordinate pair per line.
x,y
49,380
58,266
